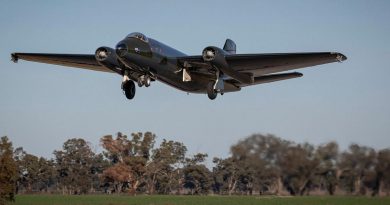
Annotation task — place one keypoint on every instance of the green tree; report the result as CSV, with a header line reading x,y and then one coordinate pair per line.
x,y
35,173
260,157
327,169
165,159
355,165
226,173
74,166
8,171
299,165
197,177
99,164
382,170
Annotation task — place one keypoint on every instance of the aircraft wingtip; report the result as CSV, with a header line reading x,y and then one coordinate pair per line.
x,y
340,57
14,57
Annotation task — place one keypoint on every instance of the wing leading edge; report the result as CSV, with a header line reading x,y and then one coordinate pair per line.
x,y
85,61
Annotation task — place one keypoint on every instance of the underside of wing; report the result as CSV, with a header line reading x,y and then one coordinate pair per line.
x,y
262,64
84,61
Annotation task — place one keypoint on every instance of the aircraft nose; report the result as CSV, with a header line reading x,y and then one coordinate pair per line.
x,y
121,49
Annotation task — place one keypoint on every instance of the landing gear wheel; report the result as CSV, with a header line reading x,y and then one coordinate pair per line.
x,y
147,81
129,89
139,82
211,93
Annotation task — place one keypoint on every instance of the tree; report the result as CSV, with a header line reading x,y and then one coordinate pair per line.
x,y
355,164
130,159
8,171
28,168
328,155
161,170
197,177
99,164
74,166
226,174
382,170
34,173
299,165
260,156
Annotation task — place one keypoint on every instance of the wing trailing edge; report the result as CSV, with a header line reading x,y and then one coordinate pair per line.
x,y
268,78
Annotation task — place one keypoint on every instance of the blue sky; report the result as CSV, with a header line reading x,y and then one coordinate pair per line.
x,y
43,105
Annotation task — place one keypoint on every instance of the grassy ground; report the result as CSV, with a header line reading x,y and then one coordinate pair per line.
x,y
192,200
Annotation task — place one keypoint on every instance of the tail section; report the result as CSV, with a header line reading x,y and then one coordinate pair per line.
x,y
230,46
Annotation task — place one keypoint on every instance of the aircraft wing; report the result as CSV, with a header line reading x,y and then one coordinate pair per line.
x,y
84,61
267,78
263,64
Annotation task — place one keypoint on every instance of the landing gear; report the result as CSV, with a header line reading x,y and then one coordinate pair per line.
x,y
211,92
144,80
147,81
128,88
215,87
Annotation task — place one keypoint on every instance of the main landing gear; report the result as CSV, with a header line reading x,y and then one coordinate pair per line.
x,y
211,92
215,87
128,88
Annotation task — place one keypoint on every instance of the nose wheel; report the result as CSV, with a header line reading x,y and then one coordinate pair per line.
x,y
144,80
128,88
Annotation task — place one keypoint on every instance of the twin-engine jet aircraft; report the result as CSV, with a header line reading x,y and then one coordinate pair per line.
x,y
143,60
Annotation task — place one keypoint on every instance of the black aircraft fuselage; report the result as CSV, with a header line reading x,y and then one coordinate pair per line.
x,y
217,70
157,59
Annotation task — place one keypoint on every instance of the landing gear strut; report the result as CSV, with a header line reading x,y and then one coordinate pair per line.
x,y
215,87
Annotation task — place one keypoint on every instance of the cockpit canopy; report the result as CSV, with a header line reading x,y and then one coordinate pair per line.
x,y
138,35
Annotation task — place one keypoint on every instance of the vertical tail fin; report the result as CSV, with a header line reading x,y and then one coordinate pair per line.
x,y
230,46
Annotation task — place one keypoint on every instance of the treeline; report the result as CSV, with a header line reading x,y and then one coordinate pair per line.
x,y
259,164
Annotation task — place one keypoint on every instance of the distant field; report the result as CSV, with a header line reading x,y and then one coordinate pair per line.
x,y
195,200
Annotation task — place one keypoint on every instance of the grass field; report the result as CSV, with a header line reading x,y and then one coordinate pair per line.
x,y
195,200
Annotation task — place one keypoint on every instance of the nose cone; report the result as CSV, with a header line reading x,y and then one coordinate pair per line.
x,y
121,49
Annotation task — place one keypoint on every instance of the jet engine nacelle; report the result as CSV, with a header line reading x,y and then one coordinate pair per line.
x,y
217,58
107,57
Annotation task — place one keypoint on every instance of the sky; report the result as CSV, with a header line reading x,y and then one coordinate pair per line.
x,y
41,105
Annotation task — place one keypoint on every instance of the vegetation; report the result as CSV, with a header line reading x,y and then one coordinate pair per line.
x,y
7,171
258,165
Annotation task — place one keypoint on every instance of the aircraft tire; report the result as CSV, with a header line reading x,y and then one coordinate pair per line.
x,y
210,91
129,89
140,83
147,81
